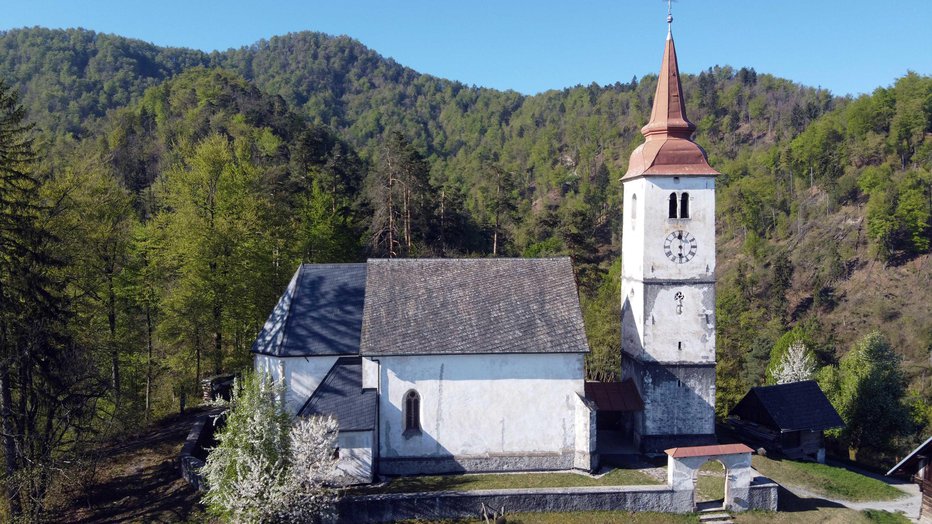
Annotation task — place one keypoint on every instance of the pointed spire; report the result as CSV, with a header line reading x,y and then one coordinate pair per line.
x,y
668,149
669,113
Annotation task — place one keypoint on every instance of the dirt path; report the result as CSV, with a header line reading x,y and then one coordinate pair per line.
x,y
139,481
908,505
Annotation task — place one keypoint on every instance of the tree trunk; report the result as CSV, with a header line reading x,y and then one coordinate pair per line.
x,y
114,351
443,236
391,214
406,217
218,338
148,362
197,357
9,443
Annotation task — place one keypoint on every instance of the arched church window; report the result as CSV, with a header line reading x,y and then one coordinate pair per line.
x,y
672,213
412,414
684,206
634,209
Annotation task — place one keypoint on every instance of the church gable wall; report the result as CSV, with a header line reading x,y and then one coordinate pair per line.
x,y
302,375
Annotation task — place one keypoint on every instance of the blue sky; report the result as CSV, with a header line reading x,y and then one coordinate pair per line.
x,y
849,47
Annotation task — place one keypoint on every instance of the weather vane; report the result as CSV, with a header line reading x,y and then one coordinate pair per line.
x,y
669,18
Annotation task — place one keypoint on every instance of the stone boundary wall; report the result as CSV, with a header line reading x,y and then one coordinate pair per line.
x,y
468,504
191,458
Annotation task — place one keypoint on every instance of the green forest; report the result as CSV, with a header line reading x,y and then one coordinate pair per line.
x,y
154,203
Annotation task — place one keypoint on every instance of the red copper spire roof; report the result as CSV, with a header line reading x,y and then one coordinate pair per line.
x,y
668,149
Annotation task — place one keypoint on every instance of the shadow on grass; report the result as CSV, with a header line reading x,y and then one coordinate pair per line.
x,y
791,503
137,481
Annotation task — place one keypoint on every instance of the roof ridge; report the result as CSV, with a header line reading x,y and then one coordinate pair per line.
x,y
467,259
331,264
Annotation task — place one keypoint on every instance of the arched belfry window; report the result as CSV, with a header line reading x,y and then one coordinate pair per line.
x,y
684,205
672,213
412,414
634,209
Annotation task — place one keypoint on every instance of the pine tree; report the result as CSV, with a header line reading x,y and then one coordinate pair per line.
x,y
398,192
39,368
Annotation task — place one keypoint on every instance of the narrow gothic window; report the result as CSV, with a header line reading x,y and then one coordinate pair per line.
x,y
672,205
412,411
684,206
634,209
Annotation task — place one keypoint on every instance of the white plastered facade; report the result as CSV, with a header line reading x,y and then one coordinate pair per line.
x,y
668,307
483,412
302,375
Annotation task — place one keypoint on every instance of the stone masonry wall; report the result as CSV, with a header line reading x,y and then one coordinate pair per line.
x,y
452,505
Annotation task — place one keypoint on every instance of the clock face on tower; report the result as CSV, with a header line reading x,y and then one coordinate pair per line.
x,y
680,246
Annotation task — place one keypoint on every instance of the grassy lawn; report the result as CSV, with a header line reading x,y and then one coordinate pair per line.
x,y
600,517
711,482
616,477
821,515
826,481
580,517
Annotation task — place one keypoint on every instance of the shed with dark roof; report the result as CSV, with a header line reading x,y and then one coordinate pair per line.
x,y
786,418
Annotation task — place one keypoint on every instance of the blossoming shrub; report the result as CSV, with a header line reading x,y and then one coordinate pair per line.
x,y
266,467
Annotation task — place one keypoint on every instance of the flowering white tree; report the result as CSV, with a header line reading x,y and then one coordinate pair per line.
x,y
266,469
796,365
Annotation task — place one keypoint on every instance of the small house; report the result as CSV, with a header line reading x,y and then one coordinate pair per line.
x,y
786,419
916,467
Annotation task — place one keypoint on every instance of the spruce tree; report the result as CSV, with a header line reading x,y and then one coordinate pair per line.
x,y
34,392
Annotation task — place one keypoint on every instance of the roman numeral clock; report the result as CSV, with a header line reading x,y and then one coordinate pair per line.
x,y
680,246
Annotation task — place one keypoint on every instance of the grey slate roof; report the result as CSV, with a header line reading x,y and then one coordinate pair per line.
x,y
458,306
340,394
319,314
789,407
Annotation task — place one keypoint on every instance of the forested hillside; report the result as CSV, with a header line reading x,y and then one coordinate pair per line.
x,y
179,190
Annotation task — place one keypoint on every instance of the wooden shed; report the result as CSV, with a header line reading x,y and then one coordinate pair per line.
x,y
916,467
786,419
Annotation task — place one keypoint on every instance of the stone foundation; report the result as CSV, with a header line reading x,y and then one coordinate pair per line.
x,y
477,464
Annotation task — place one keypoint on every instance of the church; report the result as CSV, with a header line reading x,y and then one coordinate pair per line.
x,y
462,365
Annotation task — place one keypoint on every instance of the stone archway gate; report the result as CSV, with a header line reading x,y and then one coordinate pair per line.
x,y
683,466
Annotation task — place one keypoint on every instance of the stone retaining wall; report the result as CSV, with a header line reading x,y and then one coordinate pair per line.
x,y
468,504
193,453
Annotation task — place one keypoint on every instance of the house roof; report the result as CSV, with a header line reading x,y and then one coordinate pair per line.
x,y
668,149
789,407
471,306
341,394
320,313
701,451
614,396
910,465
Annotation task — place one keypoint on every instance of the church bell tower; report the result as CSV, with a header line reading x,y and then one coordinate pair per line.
x,y
668,274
